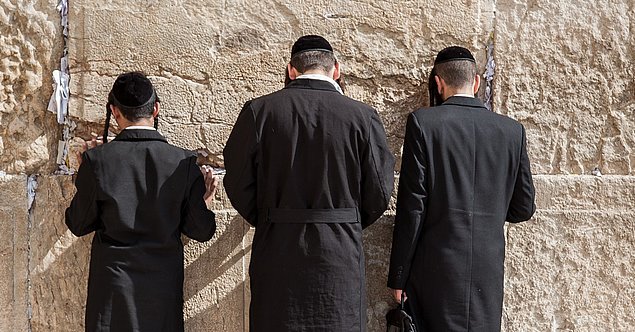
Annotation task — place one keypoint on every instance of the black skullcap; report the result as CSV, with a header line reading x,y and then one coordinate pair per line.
x,y
132,90
311,43
453,53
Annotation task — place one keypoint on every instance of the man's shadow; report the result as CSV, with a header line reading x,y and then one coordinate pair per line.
x,y
215,273
377,244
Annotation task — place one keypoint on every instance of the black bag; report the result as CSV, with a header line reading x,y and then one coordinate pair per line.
x,y
398,320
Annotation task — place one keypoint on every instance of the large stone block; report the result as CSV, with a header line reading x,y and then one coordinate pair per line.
x,y
565,70
30,48
14,237
58,265
585,193
570,267
208,57
214,290
377,243
571,271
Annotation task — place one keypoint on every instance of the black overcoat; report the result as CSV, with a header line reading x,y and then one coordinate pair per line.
x,y
138,194
464,172
309,168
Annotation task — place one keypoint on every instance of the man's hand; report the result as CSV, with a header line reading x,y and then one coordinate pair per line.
x,y
88,144
396,294
211,183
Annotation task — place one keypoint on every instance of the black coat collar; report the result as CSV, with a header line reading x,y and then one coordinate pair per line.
x,y
305,83
140,135
464,101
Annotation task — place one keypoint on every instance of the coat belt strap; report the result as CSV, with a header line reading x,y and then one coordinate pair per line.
x,y
307,216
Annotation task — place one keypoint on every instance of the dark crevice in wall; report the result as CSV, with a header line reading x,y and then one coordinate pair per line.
x,y
31,191
490,65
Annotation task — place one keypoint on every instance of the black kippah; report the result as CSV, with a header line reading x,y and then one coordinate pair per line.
x,y
453,53
311,43
132,90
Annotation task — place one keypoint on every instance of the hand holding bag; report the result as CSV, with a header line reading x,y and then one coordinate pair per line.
x,y
398,320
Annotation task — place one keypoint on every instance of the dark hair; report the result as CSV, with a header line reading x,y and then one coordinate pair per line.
x,y
457,73
340,81
433,91
313,60
134,114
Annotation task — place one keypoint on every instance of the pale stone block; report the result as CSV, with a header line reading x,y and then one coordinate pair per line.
x,y
377,244
59,261
30,48
215,278
14,237
608,193
571,271
570,267
230,52
565,70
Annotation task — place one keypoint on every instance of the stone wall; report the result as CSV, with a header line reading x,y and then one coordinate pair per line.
x,y
563,68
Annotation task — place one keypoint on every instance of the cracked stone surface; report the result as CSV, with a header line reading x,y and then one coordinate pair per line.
x,y
208,58
13,253
30,48
565,70
570,268
58,267
215,277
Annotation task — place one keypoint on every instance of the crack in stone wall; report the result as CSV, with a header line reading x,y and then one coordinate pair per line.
x,y
31,186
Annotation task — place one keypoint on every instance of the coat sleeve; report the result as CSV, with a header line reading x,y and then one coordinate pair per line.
x,y
522,204
82,216
240,164
197,222
411,205
378,179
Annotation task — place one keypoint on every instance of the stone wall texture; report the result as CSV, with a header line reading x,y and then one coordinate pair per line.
x,y
563,68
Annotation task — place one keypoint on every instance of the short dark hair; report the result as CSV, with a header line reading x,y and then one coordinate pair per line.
x,y
456,73
313,60
137,113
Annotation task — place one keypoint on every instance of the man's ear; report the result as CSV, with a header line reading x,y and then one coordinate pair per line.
x,y
115,112
155,113
440,84
293,73
477,83
336,72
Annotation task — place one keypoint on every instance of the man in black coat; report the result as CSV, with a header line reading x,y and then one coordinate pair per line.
x,y
309,168
138,194
464,172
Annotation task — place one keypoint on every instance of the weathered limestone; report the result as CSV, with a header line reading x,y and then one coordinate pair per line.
x,y
58,265
571,271
377,243
207,57
215,277
30,48
14,221
571,267
565,69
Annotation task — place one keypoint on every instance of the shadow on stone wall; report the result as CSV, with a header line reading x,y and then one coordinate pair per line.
x,y
58,261
377,243
214,290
